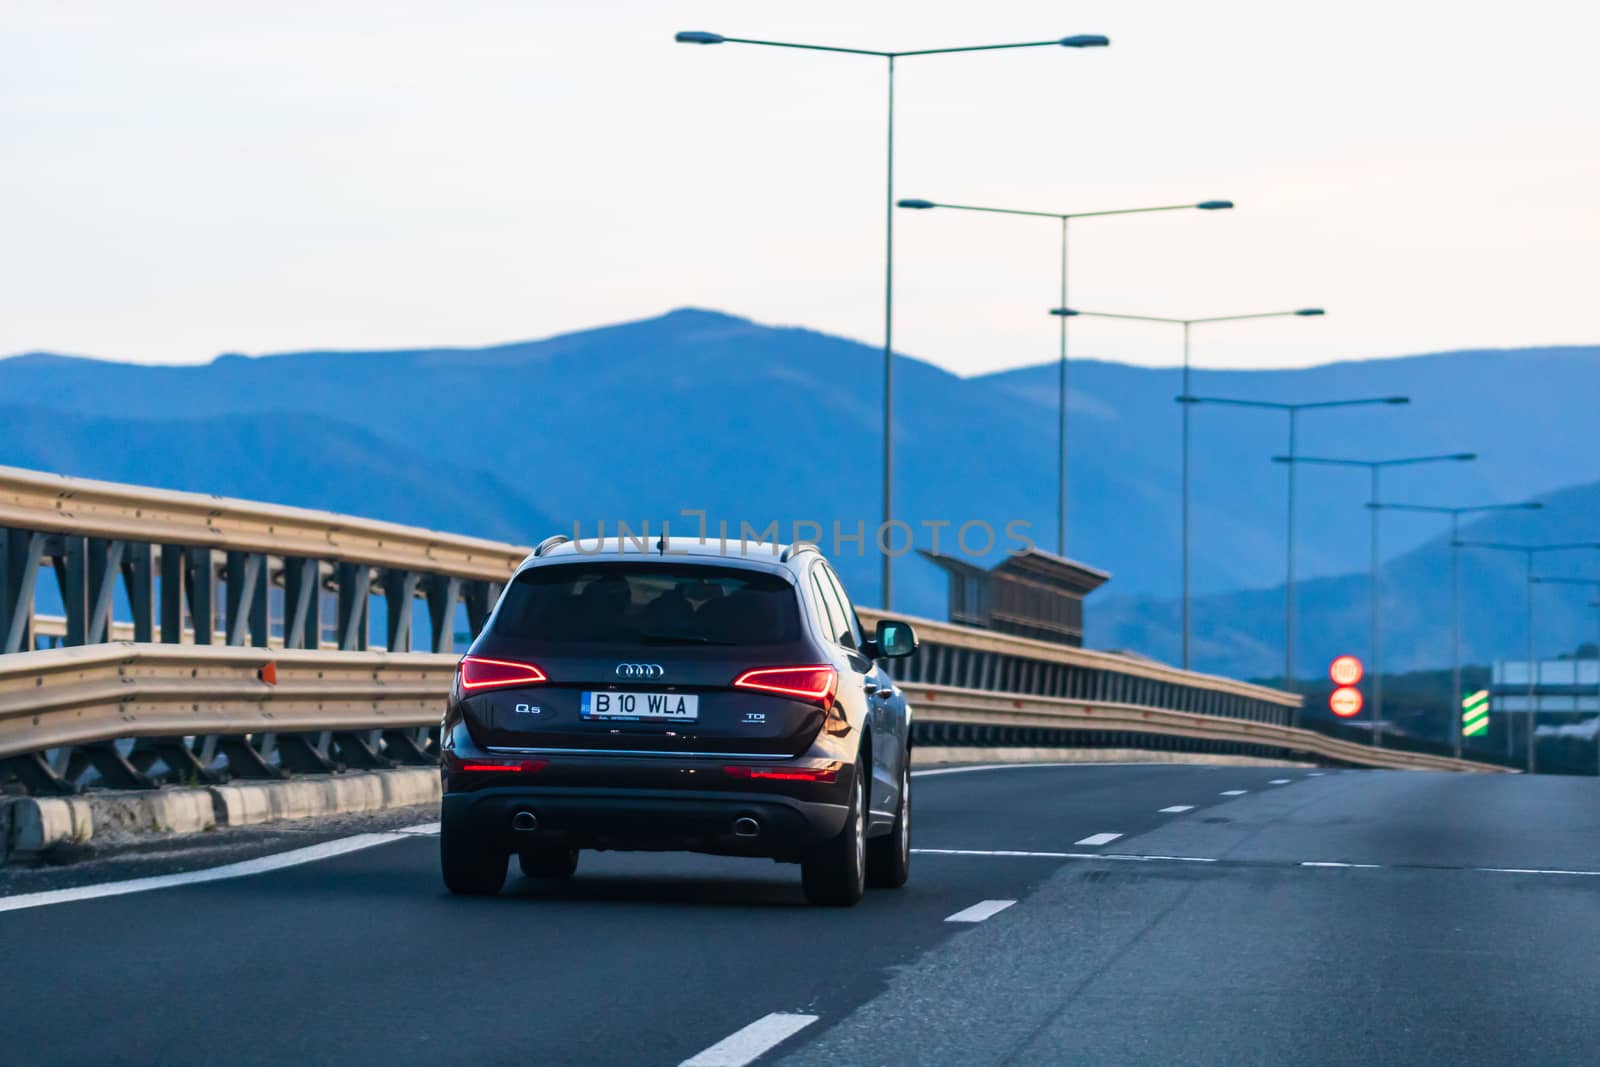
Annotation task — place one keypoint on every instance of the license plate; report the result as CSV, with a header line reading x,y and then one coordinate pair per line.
x,y
663,707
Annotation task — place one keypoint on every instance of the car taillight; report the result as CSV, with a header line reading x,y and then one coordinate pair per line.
x,y
785,774
816,684
479,673
476,766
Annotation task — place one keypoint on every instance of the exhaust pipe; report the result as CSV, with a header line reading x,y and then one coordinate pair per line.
x,y
745,826
524,821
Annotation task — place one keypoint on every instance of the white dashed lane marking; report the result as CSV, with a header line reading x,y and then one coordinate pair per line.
x,y
1363,866
1234,792
751,1043
1279,781
1130,857
980,911
1177,809
1098,839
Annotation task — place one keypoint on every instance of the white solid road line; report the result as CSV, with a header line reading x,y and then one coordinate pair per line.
x,y
748,1045
1234,792
261,865
980,911
1177,809
1016,766
1098,839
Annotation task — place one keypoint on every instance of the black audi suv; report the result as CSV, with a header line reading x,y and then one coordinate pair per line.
x,y
679,695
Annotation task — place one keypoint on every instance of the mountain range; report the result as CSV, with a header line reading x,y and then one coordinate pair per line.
x,y
710,412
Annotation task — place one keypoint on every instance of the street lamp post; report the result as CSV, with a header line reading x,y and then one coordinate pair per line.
x,y
1064,218
1528,552
1592,584
1455,514
1293,411
1085,40
1067,312
1374,467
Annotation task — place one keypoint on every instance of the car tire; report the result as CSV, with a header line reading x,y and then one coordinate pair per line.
x,y
470,867
889,856
555,863
834,874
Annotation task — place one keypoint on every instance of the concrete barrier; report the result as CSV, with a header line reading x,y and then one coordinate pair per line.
x,y
30,825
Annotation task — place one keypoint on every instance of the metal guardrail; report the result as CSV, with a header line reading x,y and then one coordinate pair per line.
x,y
949,705
121,710
277,584
251,571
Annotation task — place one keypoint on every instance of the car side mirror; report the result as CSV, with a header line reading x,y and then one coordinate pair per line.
x,y
894,639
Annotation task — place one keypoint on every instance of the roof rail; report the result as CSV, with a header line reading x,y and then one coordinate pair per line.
x,y
550,542
797,548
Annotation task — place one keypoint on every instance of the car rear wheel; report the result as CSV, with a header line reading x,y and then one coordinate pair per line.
x,y
889,856
835,872
548,862
470,868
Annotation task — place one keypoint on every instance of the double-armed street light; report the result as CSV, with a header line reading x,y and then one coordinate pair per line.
x,y
1455,585
1293,411
1528,552
1085,40
1065,217
1187,324
1374,467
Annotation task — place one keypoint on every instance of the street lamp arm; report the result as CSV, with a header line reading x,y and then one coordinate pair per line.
x,y
1258,315
1373,401
1232,402
1326,462
1074,312
1591,582
923,205
1082,40
1447,457
1568,546
701,37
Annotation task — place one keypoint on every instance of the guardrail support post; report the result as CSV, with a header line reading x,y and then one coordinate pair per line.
x,y
247,599
302,604
21,552
105,567
69,559
355,587
444,591
399,590
139,583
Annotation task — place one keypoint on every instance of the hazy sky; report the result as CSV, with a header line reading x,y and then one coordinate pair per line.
x,y
180,179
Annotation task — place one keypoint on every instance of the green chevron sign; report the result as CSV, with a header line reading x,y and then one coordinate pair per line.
x,y
1475,713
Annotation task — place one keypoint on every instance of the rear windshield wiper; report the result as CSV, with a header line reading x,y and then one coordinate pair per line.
x,y
680,639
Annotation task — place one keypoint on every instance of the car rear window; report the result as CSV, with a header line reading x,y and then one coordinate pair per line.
x,y
648,603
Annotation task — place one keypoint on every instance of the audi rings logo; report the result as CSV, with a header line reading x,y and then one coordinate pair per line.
x,y
640,670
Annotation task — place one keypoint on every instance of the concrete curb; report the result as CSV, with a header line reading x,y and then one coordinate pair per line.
x,y
29,825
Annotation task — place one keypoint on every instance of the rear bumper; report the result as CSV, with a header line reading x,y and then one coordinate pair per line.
x,y
652,819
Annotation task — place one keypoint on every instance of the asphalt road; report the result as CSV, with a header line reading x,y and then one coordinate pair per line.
x,y
1338,917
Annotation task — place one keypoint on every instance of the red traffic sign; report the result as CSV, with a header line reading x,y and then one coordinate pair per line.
x,y
1345,701
1346,670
